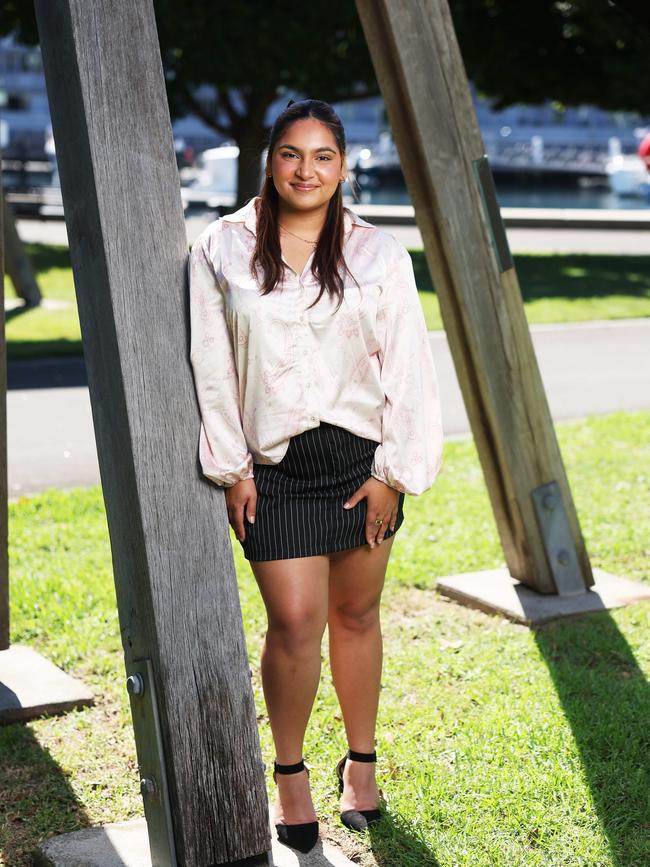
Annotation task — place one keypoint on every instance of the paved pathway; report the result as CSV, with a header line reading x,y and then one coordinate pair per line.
x,y
521,240
595,367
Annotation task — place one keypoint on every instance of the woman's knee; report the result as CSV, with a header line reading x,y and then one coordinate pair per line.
x,y
298,629
355,615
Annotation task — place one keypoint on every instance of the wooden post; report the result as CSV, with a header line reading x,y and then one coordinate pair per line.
x,y
194,715
4,484
17,263
423,82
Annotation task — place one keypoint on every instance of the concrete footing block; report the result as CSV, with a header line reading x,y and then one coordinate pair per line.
x,y
122,844
497,592
126,844
31,686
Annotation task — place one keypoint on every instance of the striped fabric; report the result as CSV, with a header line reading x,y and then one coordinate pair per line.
x,y
300,500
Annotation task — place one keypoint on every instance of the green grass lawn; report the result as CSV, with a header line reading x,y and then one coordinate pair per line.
x,y
498,746
555,288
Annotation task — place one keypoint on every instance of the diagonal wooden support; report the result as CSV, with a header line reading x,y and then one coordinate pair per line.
x,y
180,618
4,482
423,82
30,685
17,264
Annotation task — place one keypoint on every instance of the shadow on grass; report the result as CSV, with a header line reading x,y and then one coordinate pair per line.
x,y
46,256
394,842
33,350
567,276
37,799
15,312
606,700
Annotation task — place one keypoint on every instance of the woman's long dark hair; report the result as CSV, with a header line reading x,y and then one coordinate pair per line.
x,y
328,259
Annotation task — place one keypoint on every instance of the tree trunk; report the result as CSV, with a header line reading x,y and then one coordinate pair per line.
x,y
251,140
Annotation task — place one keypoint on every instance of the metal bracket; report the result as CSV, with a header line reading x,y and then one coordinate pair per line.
x,y
558,541
151,762
485,183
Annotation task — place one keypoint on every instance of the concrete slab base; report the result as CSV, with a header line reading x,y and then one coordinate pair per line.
x,y
496,592
125,844
31,686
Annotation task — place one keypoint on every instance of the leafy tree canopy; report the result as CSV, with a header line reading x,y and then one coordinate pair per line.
x,y
581,52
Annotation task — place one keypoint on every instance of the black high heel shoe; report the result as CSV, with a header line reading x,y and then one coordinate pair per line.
x,y
356,820
304,836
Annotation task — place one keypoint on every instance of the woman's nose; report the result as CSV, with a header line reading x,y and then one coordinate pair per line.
x,y
305,169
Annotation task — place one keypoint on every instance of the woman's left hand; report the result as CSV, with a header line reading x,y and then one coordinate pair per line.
x,y
382,502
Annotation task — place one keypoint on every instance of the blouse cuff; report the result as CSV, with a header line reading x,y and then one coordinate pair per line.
x,y
225,477
381,471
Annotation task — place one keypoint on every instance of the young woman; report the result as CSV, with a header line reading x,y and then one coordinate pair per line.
x,y
319,412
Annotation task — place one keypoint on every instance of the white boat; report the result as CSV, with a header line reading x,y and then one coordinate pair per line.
x,y
216,182
628,175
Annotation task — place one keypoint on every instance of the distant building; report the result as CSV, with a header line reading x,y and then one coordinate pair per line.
x,y
23,101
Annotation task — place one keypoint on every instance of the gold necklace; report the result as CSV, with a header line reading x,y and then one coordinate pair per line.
x,y
306,240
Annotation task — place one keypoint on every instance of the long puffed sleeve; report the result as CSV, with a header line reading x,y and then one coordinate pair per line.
x,y
410,455
223,452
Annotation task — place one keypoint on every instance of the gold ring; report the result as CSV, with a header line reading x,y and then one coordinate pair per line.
x,y
379,521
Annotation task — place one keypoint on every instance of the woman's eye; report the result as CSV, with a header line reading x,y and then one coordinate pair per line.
x,y
322,157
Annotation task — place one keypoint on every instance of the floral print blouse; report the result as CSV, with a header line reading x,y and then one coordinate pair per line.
x,y
266,368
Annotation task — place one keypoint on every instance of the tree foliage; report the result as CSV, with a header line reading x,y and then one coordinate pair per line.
x,y
259,51
580,52
576,53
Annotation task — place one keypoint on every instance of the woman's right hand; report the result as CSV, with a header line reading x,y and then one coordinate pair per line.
x,y
241,500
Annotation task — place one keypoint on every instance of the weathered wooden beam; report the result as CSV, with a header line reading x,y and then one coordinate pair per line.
x,y
4,484
194,715
423,82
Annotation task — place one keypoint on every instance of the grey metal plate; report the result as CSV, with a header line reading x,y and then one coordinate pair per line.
x,y
560,550
144,710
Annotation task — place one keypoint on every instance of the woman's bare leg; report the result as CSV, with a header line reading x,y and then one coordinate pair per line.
x,y
355,585
295,593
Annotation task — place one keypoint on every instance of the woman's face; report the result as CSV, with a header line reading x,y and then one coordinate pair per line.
x,y
307,165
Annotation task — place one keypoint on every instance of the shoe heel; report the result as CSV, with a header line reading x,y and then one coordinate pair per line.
x,y
303,836
356,820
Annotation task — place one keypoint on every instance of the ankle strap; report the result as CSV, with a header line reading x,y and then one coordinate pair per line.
x,y
289,769
362,757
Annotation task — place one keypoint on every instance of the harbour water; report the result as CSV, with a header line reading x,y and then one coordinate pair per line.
x,y
533,197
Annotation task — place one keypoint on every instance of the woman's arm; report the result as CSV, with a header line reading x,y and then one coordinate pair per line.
x,y
223,452
410,455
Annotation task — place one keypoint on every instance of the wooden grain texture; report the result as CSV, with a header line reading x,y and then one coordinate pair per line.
x,y
420,71
172,555
4,484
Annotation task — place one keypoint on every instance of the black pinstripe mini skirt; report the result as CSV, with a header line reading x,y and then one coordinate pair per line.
x,y
300,500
